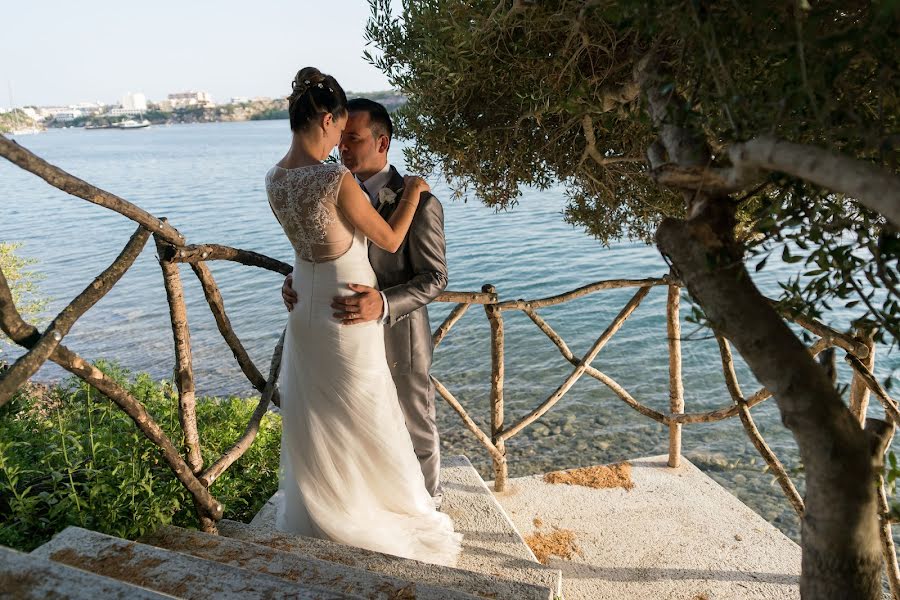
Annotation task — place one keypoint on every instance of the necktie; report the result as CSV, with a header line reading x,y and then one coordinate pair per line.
x,y
373,198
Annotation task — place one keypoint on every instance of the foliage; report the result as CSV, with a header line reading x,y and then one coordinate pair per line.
x,y
509,93
270,114
23,283
69,456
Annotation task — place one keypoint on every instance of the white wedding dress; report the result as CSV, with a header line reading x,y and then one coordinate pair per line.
x,y
348,469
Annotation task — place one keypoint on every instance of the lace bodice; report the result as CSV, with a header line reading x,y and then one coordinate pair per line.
x,y
304,200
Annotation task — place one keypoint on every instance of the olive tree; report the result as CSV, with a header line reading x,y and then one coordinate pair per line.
x,y
720,130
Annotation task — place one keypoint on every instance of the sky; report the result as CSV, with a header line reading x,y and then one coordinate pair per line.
x,y
55,52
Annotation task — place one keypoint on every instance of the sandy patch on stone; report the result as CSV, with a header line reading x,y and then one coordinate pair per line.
x,y
559,542
609,476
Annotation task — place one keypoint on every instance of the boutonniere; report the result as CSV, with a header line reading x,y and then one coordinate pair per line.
x,y
386,196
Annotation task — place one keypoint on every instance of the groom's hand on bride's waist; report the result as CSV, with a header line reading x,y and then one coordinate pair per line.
x,y
288,295
367,304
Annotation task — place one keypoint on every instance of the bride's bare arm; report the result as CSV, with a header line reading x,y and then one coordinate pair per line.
x,y
385,234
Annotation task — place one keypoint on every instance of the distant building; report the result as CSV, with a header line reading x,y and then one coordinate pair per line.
x,y
50,112
164,106
135,102
191,98
121,111
90,108
64,116
32,113
240,100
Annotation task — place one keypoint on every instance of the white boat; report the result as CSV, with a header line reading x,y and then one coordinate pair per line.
x,y
132,124
31,131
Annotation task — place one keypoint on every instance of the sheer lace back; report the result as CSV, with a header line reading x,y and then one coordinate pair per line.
x,y
304,201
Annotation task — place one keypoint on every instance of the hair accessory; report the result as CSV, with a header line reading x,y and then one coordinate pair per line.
x,y
300,90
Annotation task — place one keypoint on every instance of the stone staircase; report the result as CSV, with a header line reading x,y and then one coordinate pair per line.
x,y
255,561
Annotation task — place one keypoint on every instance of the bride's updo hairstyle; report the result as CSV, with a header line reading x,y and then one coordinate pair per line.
x,y
314,94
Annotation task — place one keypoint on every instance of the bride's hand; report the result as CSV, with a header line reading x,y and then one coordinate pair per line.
x,y
413,187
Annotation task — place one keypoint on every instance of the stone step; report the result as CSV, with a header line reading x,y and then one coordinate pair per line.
x,y
296,567
476,584
27,577
491,543
179,575
664,533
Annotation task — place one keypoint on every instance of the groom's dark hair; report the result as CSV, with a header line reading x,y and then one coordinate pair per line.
x,y
379,118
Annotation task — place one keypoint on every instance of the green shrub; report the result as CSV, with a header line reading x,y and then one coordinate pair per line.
x,y
23,283
69,456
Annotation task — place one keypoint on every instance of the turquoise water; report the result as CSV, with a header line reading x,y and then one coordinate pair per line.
x,y
208,180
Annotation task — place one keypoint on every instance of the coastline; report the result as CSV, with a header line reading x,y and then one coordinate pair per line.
x,y
261,109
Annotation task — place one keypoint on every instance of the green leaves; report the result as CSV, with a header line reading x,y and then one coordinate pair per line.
x,y
498,100
23,283
788,258
68,457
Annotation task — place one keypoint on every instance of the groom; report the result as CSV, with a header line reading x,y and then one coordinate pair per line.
x,y
409,279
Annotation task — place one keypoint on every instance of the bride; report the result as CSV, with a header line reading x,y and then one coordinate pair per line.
x,y
348,469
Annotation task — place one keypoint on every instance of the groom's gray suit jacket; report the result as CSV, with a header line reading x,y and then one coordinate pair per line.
x,y
410,278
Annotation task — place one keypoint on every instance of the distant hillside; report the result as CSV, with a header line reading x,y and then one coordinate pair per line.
x,y
13,120
391,99
252,110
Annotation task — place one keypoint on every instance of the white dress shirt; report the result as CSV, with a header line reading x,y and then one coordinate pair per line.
x,y
373,184
371,187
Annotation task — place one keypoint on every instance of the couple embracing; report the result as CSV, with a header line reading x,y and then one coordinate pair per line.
x,y
360,456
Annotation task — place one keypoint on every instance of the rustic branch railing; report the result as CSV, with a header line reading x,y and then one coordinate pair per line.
x,y
859,354
188,468
676,417
171,249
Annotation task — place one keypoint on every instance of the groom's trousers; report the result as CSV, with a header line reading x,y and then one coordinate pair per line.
x,y
416,394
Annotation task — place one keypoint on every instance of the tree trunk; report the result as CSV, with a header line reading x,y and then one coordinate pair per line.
x,y
840,539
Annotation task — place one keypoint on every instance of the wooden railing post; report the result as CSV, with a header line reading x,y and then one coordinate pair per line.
x,y
184,371
859,391
495,319
676,385
184,364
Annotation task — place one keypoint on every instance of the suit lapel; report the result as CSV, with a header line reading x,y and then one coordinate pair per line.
x,y
385,209
395,184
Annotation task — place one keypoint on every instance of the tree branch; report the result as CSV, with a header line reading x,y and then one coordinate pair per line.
x,y
734,388
243,443
872,186
587,125
217,307
29,363
200,252
184,363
